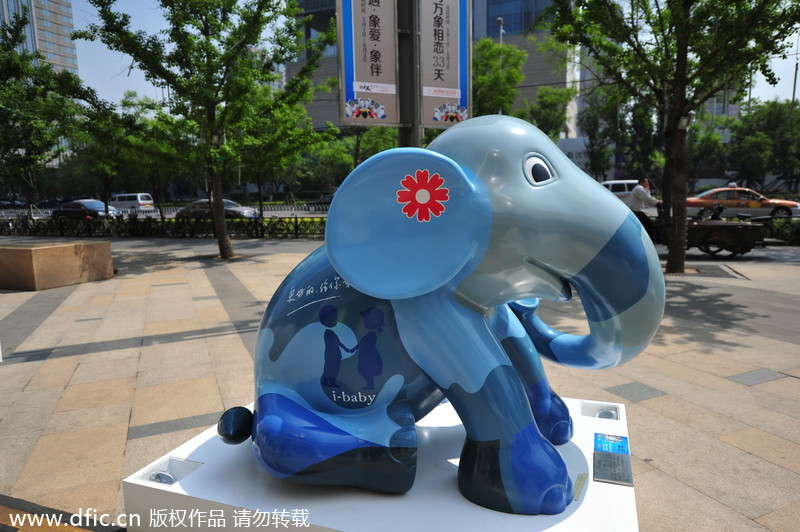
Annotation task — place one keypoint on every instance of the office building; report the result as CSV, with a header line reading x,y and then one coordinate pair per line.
x,y
48,31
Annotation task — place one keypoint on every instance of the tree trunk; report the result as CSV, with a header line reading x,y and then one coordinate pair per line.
x,y
678,157
676,116
359,133
220,228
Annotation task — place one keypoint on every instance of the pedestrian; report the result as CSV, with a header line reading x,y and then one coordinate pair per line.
x,y
640,200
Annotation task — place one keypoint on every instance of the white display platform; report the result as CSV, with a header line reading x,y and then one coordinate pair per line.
x,y
223,486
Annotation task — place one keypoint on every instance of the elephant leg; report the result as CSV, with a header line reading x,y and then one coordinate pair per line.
x,y
551,413
374,450
507,468
506,464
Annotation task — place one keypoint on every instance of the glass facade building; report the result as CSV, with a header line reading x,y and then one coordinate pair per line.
x,y
518,16
48,31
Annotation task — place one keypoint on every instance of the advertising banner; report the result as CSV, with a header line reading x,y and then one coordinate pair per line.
x,y
368,70
444,55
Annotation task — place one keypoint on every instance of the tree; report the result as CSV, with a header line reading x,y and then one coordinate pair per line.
x,y
496,73
643,142
549,111
327,166
598,130
159,146
773,130
673,56
38,107
706,151
376,140
273,138
99,149
752,158
213,57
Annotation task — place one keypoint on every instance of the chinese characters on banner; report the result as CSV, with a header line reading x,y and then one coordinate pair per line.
x,y
368,42
444,61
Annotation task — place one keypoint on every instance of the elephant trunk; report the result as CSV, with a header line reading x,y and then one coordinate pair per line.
x,y
622,293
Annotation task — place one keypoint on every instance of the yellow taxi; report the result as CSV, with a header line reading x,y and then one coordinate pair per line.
x,y
739,200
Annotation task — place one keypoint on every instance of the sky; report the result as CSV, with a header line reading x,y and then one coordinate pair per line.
x,y
110,73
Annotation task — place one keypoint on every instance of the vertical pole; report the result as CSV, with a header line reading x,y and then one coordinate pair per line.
x,y
410,132
794,89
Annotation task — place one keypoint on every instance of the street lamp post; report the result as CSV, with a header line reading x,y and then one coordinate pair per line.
x,y
502,31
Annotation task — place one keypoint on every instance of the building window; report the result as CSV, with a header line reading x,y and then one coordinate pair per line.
x,y
49,45
45,12
47,23
66,19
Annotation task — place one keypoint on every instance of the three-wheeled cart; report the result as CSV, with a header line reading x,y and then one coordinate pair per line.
x,y
724,238
715,236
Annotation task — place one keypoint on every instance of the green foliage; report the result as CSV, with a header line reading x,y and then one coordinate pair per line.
x,y
496,73
643,142
325,167
615,123
706,150
376,140
100,151
272,140
766,141
215,57
672,57
549,111
38,107
600,124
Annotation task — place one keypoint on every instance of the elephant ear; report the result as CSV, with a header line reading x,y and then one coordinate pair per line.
x,y
405,222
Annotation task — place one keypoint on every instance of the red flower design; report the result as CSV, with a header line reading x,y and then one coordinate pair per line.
x,y
423,195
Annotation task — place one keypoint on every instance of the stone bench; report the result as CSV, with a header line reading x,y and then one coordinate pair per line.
x,y
43,265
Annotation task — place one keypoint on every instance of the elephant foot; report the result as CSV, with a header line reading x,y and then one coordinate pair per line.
x,y
550,412
524,476
297,444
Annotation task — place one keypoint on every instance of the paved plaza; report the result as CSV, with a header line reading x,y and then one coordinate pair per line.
x,y
99,379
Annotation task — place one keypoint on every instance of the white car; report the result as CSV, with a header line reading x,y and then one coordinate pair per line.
x,y
140,203
622,188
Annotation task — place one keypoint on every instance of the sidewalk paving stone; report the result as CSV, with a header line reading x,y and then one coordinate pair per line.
x,y
99,379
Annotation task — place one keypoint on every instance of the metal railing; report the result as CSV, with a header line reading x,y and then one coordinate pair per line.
x,y
299,208
137,227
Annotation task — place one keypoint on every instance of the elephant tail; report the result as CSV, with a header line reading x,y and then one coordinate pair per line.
x,y
235,425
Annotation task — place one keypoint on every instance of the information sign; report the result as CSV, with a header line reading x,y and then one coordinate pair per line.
x,y
444,55
368,73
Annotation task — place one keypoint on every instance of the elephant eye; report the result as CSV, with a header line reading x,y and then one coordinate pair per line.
x,y
537,171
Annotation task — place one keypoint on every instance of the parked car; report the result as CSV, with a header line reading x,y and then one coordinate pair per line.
x,y
83,209
140,202
201,209
12,204
621,188
49,203
739,200
322,201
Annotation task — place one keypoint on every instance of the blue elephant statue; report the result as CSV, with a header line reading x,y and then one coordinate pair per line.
x,y
427,289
